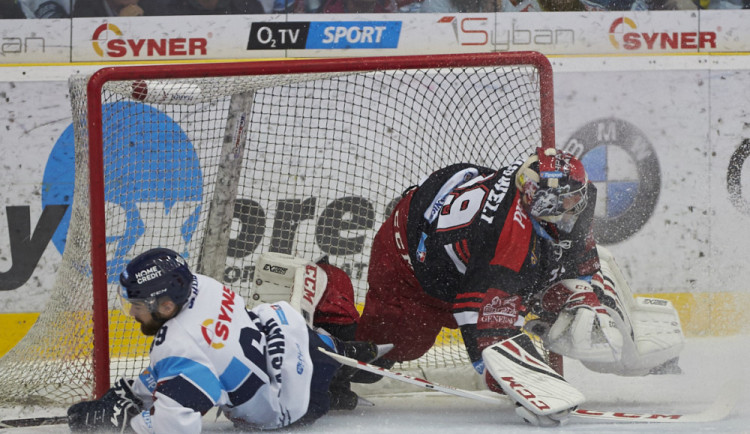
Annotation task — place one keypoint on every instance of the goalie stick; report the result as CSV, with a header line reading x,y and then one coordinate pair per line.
x,y
33,421
718,410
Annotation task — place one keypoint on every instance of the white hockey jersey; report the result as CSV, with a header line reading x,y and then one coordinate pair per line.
x,y
255,365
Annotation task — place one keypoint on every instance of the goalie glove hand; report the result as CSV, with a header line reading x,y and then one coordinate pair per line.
x,y
583,329
111,413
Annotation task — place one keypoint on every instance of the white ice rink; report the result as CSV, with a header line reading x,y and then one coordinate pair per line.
x,y
708,363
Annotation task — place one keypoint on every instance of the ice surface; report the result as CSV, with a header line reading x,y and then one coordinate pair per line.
x,y
708,363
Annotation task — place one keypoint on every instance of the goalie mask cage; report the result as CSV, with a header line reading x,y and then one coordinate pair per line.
x,y
221,162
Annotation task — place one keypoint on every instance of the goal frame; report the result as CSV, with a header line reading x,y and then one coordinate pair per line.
x,y
101,358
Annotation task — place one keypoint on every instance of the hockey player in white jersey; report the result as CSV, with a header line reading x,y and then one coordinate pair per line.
x,y
261,366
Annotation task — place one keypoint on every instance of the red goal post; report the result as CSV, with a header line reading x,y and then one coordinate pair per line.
x,y
272,142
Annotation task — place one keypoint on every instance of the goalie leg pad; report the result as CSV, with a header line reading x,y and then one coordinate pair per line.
x,y
651,326
657,340
527,379
285,277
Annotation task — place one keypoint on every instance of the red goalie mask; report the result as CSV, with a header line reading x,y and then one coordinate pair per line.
x,y
556,196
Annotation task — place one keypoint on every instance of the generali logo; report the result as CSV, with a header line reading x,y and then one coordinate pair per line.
x,y
109,41
624,34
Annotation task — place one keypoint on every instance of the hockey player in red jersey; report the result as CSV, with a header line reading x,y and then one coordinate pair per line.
x,y
478,249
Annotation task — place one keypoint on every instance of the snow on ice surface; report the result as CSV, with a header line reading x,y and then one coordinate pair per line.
x,y
708,364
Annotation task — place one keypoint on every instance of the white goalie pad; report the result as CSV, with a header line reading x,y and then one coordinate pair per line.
x,y
583,329
529,381
284,277
652,324
585,335
657,339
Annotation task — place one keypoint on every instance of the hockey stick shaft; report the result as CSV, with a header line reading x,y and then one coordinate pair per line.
x,y
33,421
717,411
729,394
420,382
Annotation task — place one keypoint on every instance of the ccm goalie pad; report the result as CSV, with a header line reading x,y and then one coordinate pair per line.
x,y
285,277
650,338
584,329
544,398
653,325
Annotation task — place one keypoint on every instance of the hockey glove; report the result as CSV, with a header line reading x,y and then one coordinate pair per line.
x,y
584,330
111,413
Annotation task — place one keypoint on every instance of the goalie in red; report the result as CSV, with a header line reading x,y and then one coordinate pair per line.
x,y
478,249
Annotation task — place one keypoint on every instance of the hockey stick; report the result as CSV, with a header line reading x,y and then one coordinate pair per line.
x,y
33,421
415,380
716,411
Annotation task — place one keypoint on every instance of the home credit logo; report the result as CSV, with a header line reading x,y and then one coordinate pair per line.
x,y
624,34
109,41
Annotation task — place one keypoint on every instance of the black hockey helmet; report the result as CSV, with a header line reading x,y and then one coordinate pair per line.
x,y
154,274
559,193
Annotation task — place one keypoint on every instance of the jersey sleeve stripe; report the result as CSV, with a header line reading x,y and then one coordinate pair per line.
x,y
186,394
462,248
246,391
464,318
476,295
460,266
197,373
467,305
234,375
240,382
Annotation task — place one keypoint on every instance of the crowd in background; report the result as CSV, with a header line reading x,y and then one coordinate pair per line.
x,y
107,8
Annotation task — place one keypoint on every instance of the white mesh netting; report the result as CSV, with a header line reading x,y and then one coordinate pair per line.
x,y
322,161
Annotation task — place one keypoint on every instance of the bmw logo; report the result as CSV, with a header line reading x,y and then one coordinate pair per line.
x,y
622,164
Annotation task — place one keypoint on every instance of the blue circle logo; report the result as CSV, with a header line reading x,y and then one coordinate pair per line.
x,y
152,179
622,164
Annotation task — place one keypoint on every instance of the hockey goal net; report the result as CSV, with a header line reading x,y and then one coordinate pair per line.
x,y
222,162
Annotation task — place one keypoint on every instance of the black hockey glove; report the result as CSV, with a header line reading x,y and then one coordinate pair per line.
x,y
111,413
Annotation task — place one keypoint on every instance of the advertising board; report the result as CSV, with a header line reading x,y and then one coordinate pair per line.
x,y
200,38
